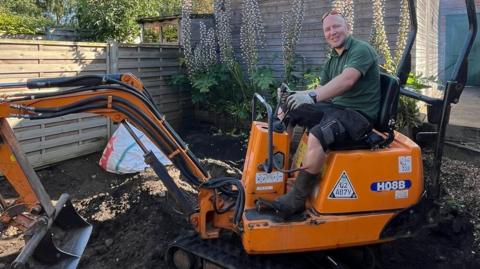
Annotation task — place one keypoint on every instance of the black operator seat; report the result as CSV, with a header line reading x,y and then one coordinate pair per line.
x,y
390,92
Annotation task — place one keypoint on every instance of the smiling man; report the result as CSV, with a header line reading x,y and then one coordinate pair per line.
x,y
344,106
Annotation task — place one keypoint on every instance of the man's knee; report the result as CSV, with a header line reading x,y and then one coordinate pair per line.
x,y
327,132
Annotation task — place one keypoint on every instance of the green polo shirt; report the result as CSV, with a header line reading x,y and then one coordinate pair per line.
x,y
364,96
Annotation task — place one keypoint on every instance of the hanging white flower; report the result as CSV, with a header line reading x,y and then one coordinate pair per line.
x,y
223,16
252,34
292,22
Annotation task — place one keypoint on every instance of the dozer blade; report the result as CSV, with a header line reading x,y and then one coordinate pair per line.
x,y
56,243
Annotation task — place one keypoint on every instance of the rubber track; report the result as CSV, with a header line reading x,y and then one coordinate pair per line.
x,y
228,252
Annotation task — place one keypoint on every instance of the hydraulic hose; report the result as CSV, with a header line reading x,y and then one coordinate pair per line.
x,y
101,102
139,118
216,183
146,100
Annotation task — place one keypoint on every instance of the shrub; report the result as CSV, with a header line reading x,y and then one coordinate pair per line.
x,y
14,24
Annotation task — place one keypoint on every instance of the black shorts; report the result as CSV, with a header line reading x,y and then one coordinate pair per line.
x,y
330,123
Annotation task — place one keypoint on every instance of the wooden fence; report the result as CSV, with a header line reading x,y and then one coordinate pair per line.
x,y
312,48
53,140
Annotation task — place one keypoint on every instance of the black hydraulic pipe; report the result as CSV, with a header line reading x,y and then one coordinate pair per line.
x,y
162,173
70,106
178,195
190,177
145,150
135,137
145,99
240,202
186,173
68,111
84,80
452,93
268,167
76,108
418,96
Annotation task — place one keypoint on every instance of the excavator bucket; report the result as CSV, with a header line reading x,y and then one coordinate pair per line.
x,y
57,235
56,243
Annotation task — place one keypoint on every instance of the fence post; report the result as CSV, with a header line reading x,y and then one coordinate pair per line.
x,y
112,57
112,67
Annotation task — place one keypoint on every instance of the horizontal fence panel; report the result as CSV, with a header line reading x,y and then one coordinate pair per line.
x,y
38,68
55,130
52,55
53,140
67,138
41,159
154,64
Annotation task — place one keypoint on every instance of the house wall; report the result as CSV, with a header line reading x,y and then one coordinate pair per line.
x,y
448,7
425,52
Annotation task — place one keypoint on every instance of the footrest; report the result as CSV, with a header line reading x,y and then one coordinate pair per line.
x,y
264,207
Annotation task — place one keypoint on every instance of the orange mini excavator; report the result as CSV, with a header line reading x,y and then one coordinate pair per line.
x,y
366,195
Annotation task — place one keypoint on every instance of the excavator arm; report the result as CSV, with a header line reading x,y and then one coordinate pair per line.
x,y
120,98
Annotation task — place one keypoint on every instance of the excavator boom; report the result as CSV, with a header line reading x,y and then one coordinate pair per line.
x,y
118,97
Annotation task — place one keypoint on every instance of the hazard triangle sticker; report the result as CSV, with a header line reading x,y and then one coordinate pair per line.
x,y
343,188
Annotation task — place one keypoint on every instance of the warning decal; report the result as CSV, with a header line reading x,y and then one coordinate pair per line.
x,y
343,188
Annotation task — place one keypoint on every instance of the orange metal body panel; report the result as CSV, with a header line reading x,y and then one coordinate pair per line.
x,y
316,233
269,186
12,171
382,168
348,212
206,222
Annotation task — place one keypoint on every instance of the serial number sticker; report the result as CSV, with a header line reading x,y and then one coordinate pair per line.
x,y
264,188
404,164
403,194
393,185
268,178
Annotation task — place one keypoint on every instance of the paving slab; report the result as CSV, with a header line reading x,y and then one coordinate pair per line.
x,y
467,112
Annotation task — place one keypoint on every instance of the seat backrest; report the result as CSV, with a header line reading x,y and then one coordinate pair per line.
x,y
390,90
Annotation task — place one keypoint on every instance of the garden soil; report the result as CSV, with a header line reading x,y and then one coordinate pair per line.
x,y
134,220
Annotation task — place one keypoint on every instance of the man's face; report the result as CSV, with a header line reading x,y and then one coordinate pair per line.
x,y
335,30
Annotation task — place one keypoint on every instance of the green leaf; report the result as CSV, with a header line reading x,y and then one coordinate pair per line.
x,y
204,82
263,78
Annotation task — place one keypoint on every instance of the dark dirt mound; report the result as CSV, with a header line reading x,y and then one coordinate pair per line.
x,y
134,221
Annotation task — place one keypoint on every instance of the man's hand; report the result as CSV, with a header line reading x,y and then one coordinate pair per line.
x,y
299,98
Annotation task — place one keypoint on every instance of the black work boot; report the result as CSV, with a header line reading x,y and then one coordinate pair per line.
x,y
294,201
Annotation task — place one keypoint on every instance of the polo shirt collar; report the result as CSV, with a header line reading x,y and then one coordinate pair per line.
x,y
348,44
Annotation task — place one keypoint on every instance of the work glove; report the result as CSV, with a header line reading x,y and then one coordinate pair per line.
x,y
282,96
298,99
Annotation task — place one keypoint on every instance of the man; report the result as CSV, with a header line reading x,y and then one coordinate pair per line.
x,y
351,80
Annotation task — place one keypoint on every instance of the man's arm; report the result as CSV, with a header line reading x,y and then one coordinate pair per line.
x,y
338,85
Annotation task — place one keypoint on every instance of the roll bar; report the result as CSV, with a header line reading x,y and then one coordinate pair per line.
x,y
439,109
